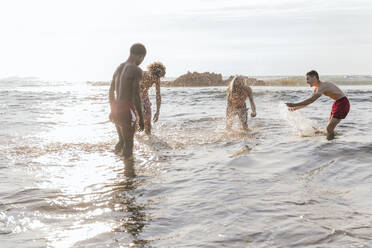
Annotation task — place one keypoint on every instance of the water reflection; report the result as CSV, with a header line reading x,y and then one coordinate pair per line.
x,y
132,214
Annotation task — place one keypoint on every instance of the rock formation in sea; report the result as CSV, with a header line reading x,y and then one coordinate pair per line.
x,y
196,79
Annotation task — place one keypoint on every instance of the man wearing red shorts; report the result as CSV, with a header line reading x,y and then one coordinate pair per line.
x,y
340,107
125,83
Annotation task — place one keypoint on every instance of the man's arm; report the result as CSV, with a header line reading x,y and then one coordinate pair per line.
x,y
112,90
251,101
305,102
137,97
158,100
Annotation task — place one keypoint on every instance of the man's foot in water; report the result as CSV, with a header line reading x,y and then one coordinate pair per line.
x,y
119,147
330,136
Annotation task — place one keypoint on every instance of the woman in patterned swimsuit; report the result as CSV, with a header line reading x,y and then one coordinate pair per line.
x,y
155,71
237,94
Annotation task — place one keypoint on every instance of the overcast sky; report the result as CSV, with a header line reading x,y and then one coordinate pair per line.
x,y
87,40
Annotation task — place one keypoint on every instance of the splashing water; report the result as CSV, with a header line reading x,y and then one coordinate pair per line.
x,y
303,126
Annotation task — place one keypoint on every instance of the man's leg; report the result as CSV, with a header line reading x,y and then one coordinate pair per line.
x,y
128,135
119,145
332,123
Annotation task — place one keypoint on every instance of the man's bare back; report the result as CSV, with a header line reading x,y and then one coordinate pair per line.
x,y
127,82
330,89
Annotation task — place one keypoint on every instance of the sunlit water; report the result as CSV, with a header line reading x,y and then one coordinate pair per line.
x,y
193,184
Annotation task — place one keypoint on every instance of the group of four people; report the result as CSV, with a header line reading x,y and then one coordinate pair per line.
x,y
129,100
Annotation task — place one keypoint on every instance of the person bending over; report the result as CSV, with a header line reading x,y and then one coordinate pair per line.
x,y
237,94
151,77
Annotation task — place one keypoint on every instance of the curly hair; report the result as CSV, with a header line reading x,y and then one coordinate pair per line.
x,y
157,69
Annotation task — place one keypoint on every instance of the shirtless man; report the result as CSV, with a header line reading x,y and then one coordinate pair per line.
x,y
237,94
340,107
155,71
125,83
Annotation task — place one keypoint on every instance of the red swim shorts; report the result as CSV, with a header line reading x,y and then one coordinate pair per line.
x,y
123,114
340,108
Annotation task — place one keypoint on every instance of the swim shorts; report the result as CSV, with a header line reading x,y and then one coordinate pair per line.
x,y
340,108
123,114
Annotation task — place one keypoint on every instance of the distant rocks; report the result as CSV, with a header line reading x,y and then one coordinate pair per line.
x,y
196,79
193,79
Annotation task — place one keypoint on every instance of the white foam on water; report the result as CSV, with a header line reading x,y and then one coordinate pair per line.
x,y
302,125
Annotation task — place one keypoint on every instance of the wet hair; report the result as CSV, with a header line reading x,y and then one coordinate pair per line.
x,y
313,73
157,69
236,83
239,81
138,49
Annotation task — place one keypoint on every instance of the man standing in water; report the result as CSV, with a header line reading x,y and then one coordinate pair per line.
x,y
155,71
340,107
237,94
125,83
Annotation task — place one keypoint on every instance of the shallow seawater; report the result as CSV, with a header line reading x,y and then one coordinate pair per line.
x,y
193,184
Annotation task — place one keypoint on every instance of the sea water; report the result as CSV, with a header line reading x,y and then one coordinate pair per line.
x,y
193,184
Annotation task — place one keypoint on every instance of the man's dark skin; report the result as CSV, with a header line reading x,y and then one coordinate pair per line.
x,y
125,83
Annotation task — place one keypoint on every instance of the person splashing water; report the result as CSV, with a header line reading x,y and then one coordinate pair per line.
x,y
237,94
340,107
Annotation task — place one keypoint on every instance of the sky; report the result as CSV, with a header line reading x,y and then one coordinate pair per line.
x,y
87,40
